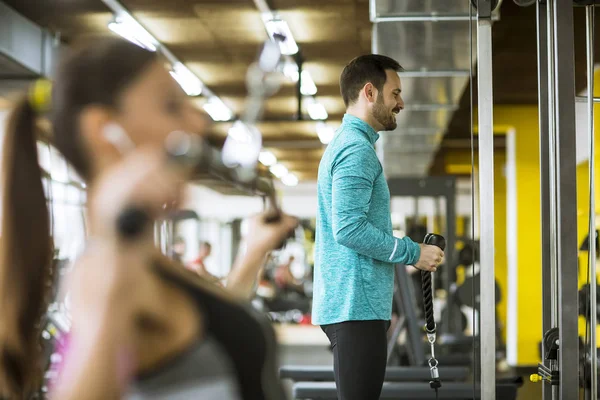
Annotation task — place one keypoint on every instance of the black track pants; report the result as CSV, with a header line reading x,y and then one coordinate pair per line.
x,y
359,357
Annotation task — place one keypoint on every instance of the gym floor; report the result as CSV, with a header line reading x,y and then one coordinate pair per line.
x,y
314,351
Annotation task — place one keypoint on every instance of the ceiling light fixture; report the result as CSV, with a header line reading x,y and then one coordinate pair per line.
x,y
127,27
307,86
290,70
189,82
267,158
279,170
325,132
242,145
277,26
217,110
316,111
289,179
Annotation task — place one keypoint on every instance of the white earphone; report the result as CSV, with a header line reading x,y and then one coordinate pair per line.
x,y
116,135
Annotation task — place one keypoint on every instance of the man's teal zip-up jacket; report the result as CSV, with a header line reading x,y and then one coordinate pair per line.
x,y
355,250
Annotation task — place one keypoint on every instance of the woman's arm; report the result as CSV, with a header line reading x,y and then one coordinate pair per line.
x,y
97,362
262,238
244,273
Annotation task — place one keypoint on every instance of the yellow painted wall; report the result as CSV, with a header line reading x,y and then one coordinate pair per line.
x,y
583,197
524,119
582,226
500,257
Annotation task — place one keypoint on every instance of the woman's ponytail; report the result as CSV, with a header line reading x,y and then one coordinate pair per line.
x,y
25,256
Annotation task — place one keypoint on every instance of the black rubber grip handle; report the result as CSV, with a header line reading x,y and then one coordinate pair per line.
x,y
132,221
439,241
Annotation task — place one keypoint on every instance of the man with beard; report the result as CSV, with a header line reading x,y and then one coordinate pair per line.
x,y
355,248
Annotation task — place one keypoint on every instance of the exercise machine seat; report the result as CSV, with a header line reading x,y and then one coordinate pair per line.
x,y
299,373
406,391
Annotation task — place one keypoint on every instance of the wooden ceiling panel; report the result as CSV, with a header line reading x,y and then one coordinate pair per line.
x,y
178,30
215,74
324,24
212,52
48,10
324,73
342,50
333,104
160,9
235,23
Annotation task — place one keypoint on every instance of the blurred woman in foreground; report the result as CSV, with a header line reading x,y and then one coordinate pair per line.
x,y
142,327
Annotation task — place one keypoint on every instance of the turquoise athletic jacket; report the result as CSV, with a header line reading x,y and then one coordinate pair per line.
x,y
355,250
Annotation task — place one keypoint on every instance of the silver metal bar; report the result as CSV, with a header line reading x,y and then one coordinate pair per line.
x,y
374,39
425,18
584,99
552,166
554,389
486,204
564,57
589,12
372,10
542,47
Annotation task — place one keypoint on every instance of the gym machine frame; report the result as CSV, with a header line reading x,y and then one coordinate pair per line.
x,y
487,326
556,94
444,187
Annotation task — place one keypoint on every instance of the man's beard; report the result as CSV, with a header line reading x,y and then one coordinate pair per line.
x,y
384,116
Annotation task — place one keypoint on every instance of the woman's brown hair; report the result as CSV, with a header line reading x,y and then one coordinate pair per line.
x,y
96,74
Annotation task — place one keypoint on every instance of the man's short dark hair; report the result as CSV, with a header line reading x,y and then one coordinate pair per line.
x,y
364,69
205,244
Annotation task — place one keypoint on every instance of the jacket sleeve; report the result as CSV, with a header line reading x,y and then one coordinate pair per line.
x,y
353,175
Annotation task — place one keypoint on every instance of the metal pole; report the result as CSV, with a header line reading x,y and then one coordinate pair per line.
x,y
299,61
372,10
554,365
552,165
449,275
486,199
589,12
564,56
547,293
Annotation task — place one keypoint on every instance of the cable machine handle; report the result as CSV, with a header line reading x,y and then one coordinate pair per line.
x,y
439,241
435,382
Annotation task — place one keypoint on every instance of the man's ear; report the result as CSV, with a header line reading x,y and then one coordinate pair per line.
x,y
370,92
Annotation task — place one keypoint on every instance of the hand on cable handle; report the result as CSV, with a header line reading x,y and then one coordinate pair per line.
x,y
142,180
431,257
266,233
